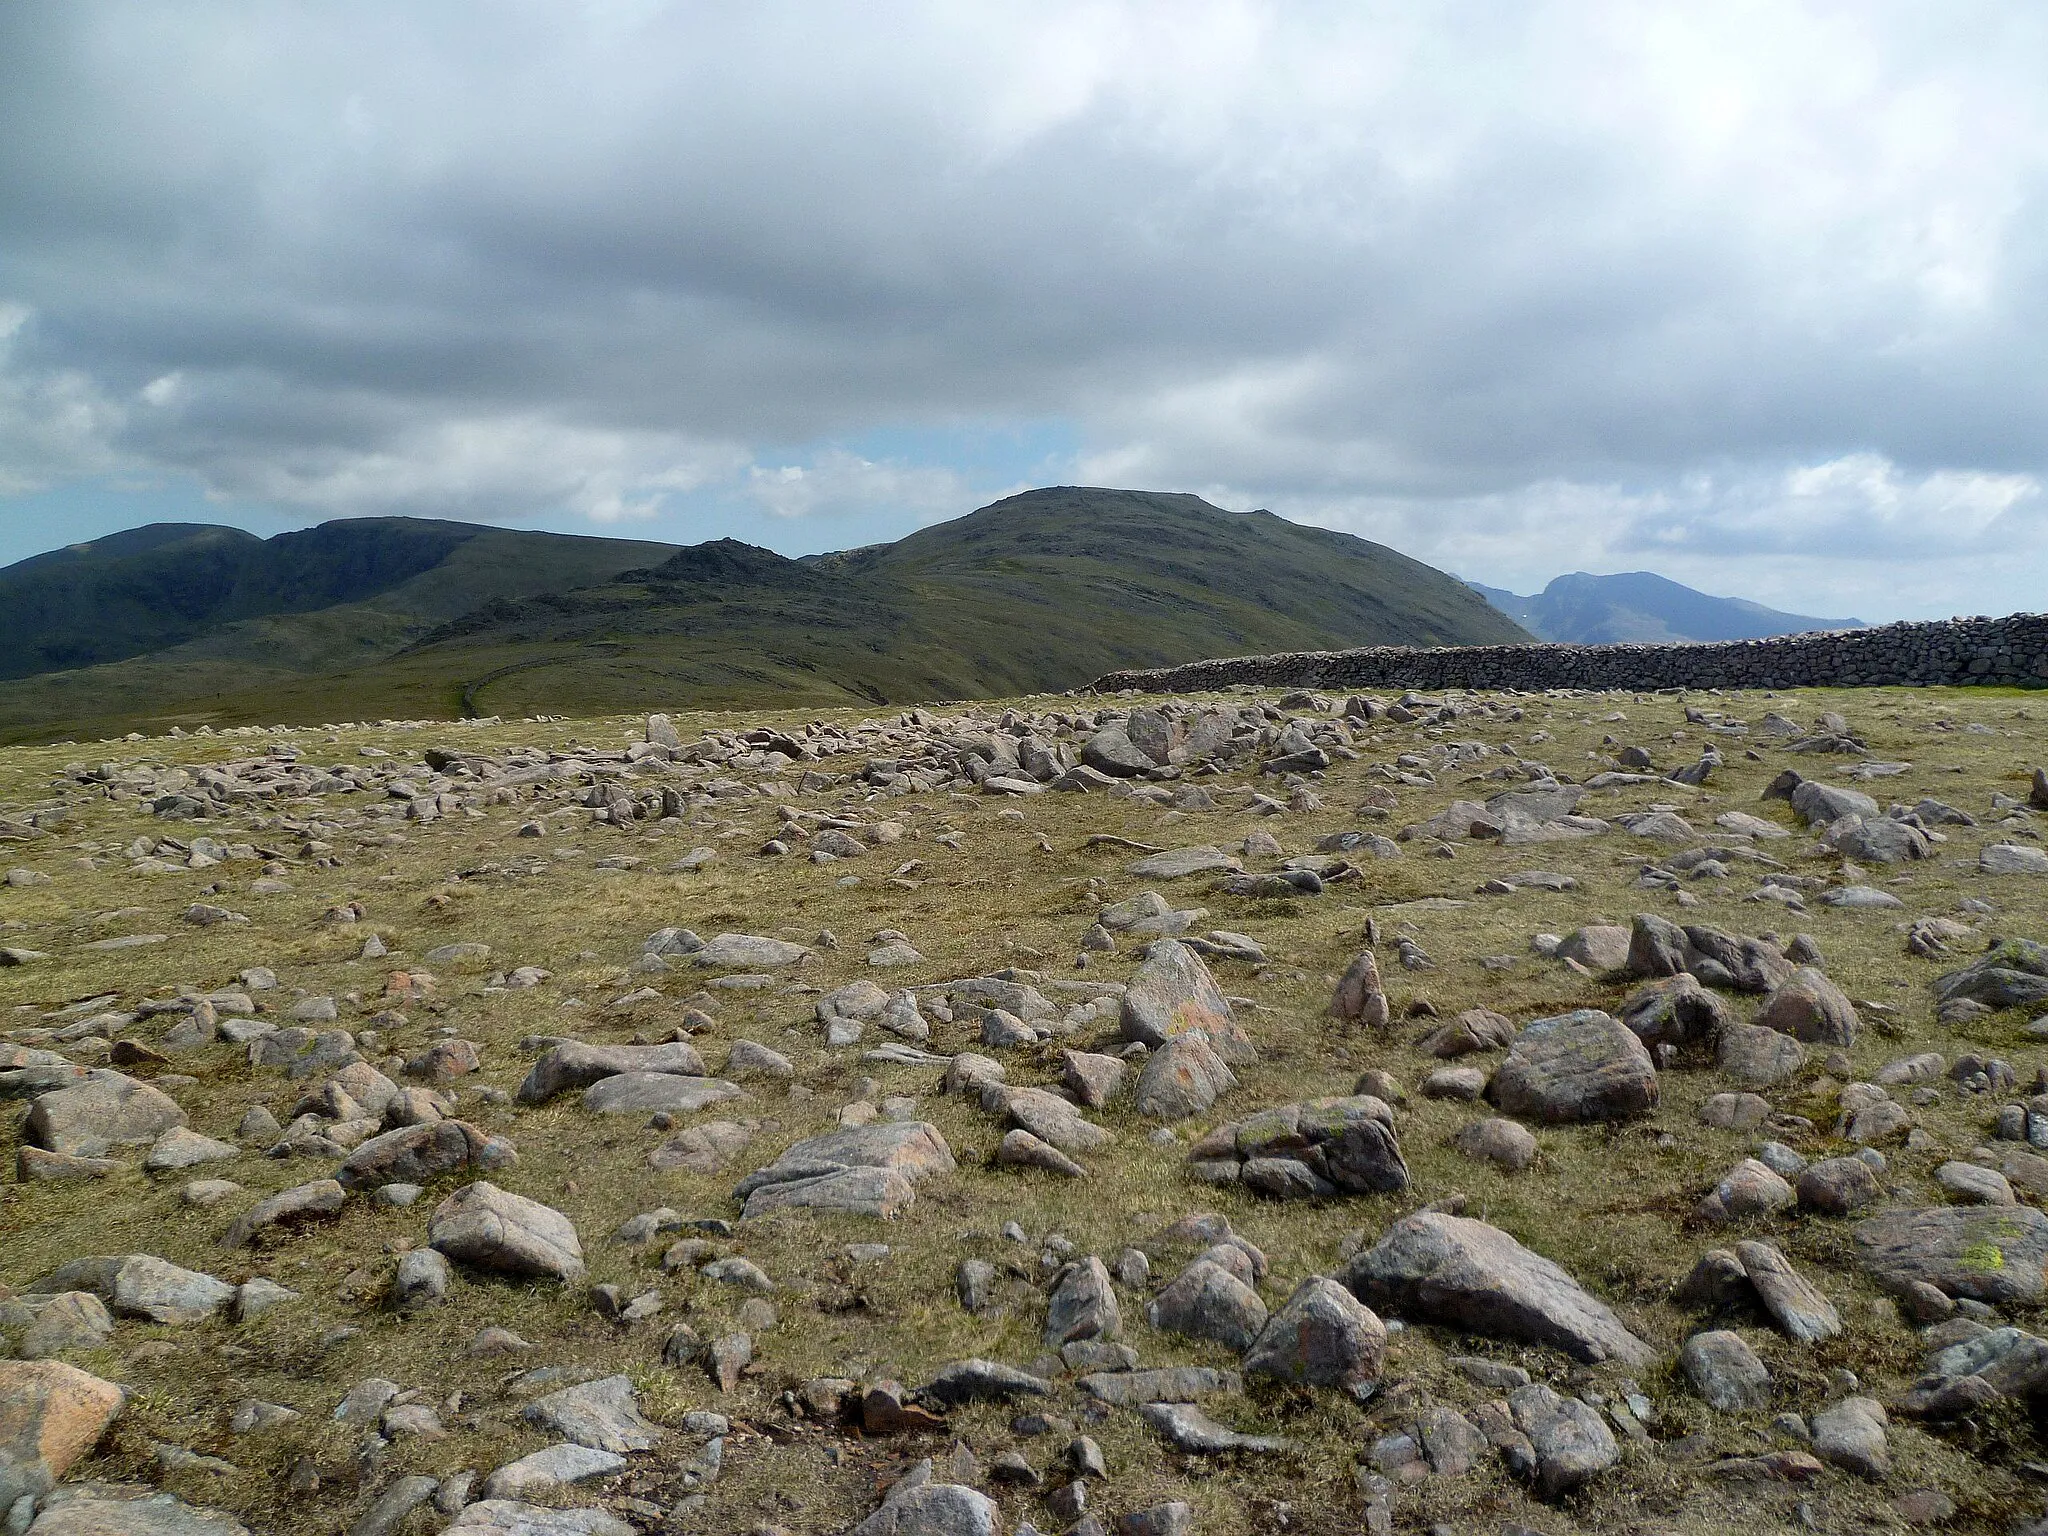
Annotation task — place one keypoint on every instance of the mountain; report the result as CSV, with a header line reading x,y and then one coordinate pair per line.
x,y
1639,607
156,587
374,618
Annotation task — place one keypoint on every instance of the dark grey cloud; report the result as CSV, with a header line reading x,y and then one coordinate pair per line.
x,y
1753,294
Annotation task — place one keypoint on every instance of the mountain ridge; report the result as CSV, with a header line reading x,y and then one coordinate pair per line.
x,y
1033,593
1641,607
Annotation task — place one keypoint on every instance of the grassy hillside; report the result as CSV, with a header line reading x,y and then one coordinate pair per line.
x,y
1040,591
152,589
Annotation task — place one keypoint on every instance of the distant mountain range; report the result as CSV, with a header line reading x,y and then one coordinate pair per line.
x,y
1638,607
381,617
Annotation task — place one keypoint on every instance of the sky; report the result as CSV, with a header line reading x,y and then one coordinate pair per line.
x,y
1751,295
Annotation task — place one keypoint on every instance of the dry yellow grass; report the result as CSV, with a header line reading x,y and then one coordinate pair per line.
x,y
1611,1204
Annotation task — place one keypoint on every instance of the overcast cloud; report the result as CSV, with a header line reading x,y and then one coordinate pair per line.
x,y
1752,295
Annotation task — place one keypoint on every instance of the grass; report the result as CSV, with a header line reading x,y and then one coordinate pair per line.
x,y
1611,1204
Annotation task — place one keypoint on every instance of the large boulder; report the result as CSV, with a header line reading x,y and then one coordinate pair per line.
x,y
1851,1434
1321,1337
1659,947
1794,1302
1725,1371
1083,1305
1572,1444
603,1415
1111,751
108,1109
1464,1273
1809,1007
650,1093
1206,1301
1338,1144
1173,994
748,952
1820,804
870,1170
1757,1057
1734,961
1878,840
1992,1254
2013,974
1185,1078
1601,947
415,1154
1676,1010
1577,1066
51,1415
918,1508
573,1064
489,1228
1970,1374
125,1509
141,1285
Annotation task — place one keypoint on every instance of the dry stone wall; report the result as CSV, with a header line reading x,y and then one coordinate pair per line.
x,y
2011,651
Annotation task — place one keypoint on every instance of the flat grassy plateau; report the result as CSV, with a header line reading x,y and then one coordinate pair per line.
x,y
1017,886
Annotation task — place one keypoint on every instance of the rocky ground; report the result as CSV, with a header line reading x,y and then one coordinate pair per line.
x,y
1247,1113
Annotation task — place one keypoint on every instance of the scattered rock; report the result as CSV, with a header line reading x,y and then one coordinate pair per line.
x,y
870,1170
1575,1067
1454,1270
1978,1253
1725,1371
51,1415
488,1228
1321,1337
1206,1301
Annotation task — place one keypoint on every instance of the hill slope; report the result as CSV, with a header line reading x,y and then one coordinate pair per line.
x,y
1037,592
1040,591
1641,607
153,588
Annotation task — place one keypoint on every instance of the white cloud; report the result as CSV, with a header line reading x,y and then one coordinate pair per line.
x,y
1751,289
55,424
839,483
1851,536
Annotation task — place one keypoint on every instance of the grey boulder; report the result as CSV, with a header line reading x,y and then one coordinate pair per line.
x,y
108,1109
1571,1444
1577,1066
413,1154
1725,1371
488,1228
1454,1270
1809,1007
1173,994
1206,1301
1184,1078
646,1093
870,1170
572,1064
1322,1336
1992,1254
142,1285
603,1415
